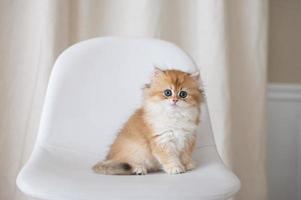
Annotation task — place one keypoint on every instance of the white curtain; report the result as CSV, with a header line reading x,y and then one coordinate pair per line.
x,y
227,39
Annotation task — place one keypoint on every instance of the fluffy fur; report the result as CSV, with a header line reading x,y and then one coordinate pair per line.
x,y
162,133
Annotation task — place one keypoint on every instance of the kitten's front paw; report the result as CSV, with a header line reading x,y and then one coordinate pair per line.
x,y
139,170
190,166
177,169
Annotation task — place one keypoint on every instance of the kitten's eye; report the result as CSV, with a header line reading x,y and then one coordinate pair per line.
x,y
183,94
167,92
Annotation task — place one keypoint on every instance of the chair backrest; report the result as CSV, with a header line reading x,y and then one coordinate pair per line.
x,y
96,85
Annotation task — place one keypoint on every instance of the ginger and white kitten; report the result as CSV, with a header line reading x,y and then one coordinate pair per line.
x,y
162,133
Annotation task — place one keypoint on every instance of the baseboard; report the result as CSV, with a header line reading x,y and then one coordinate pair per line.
x,y
287,92
284,141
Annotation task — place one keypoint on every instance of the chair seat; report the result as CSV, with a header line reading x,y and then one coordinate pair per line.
x,y
54,174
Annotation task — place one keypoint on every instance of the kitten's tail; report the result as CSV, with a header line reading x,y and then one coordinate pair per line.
x,y
112,168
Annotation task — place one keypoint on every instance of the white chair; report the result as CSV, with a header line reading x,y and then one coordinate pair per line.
x,y
94,86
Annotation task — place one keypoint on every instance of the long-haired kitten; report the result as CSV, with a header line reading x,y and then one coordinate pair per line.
x,y
162,133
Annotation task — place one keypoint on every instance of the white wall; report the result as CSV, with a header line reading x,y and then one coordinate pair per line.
x,y
284,142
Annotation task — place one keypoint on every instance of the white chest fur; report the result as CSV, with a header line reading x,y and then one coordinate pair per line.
x,y
173,126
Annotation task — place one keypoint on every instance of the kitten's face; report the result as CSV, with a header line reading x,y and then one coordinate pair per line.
x,y
174,89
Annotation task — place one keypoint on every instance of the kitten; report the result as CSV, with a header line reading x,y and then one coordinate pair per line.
x,y
162,133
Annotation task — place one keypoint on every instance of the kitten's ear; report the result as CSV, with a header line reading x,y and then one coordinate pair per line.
x,y
157,71
195,75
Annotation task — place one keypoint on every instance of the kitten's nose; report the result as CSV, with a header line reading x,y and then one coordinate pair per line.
x,y
175,100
